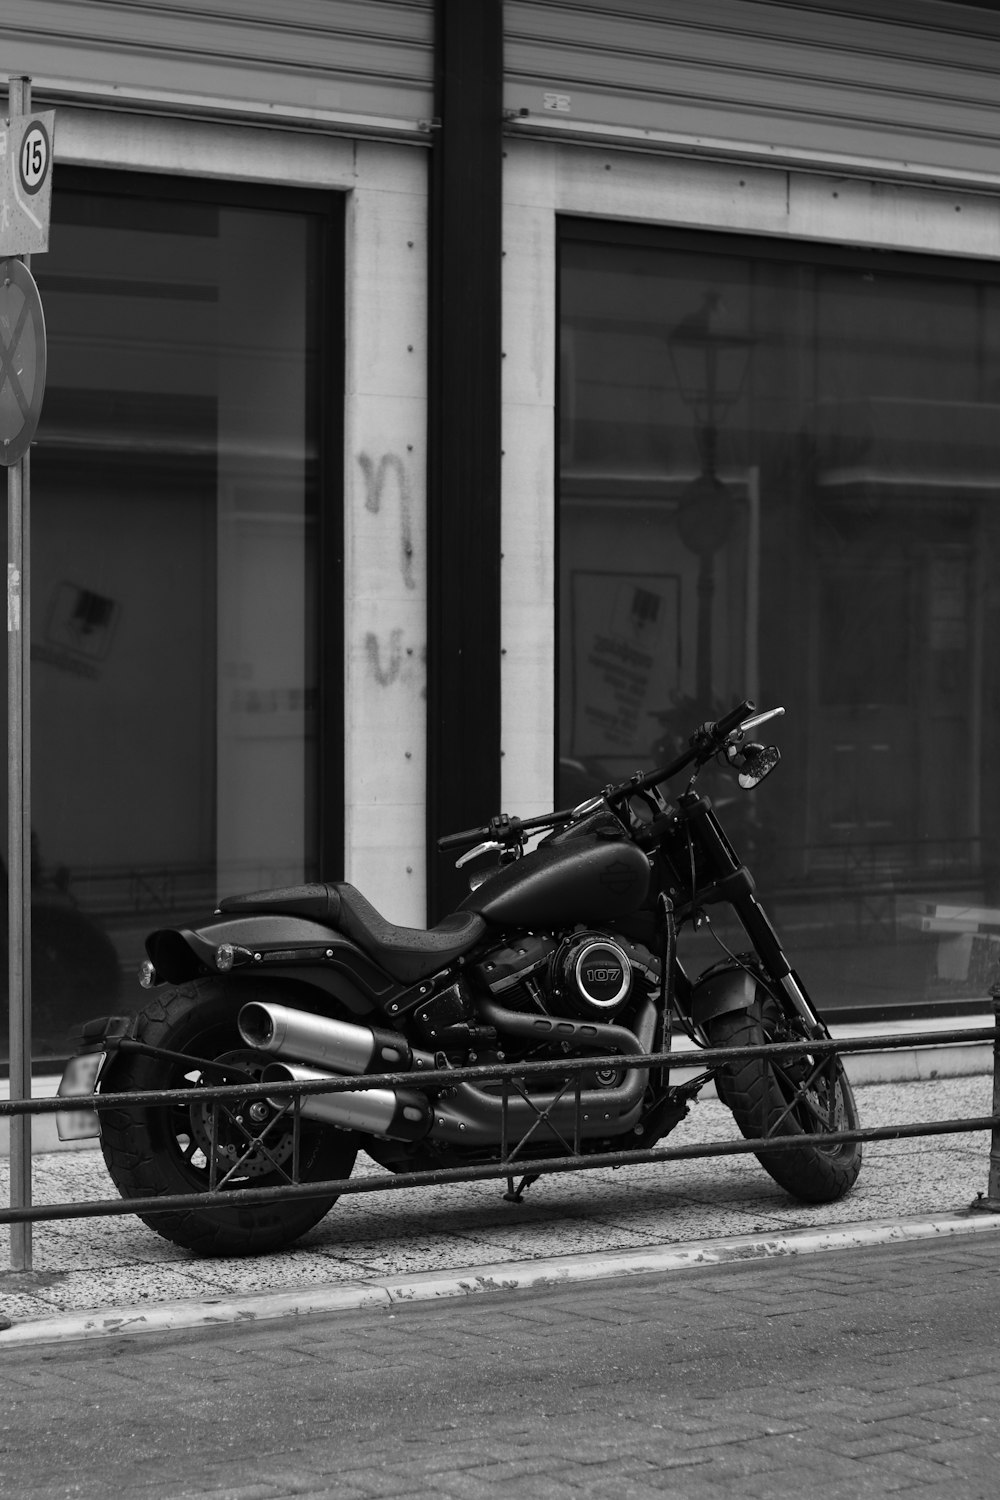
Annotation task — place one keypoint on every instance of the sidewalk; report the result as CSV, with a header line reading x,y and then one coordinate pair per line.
x,y
854,1377
98,1275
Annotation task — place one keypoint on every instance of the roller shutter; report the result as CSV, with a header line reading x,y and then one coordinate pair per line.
x,y
364,66
902,85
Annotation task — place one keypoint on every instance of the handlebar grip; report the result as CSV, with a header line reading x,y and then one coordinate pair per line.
x,y
461,840
732,720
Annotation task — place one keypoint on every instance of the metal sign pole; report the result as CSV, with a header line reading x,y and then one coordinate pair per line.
x,y
19,812
19,852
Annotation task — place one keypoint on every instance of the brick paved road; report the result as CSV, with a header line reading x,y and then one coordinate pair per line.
x,y
857,1374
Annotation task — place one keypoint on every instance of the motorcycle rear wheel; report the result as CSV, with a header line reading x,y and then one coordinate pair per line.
x,y
153,1151
791,1097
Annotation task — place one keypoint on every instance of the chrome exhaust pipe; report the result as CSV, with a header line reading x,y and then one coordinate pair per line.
x,y
396,1114
338,1046
472,1114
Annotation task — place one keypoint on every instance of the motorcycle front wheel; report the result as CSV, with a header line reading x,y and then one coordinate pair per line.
x,y
798,1096
152,1151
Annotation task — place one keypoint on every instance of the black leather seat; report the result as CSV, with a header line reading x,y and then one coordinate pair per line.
x,y
409,954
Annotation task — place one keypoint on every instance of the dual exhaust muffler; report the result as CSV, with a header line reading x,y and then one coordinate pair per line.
x,y
339,1047
312,1047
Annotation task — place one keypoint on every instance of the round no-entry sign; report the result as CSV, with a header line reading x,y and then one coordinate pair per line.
x,y
22,360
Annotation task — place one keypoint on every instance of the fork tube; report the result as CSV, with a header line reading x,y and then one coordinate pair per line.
x,y
757,926
754,919
797,996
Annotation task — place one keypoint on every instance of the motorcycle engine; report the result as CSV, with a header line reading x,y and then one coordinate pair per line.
x,y
516,975
589,975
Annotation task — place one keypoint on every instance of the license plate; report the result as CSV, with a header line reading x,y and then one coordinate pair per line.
x,y
79,1077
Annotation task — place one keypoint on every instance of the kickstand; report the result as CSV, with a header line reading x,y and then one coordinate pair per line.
x,y
516,1195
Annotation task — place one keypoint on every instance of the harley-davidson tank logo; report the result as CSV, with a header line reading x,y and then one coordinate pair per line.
x,y
619,877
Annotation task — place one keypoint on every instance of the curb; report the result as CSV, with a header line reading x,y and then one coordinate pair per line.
x,y
517,1276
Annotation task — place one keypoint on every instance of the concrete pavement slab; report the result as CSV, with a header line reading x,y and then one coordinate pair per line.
x,y
466,1230
318,1299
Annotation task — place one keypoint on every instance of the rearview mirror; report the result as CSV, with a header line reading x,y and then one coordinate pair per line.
x,y
756,762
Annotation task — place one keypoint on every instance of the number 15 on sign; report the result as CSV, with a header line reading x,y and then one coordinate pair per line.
x,y
25,183
36,153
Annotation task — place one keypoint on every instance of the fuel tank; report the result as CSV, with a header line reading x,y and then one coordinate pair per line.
x,y
589,879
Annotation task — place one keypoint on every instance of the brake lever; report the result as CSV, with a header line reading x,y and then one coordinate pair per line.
x,y
758,719
489,847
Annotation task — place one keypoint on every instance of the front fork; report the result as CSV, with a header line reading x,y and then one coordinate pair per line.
x,y
757,926
734,884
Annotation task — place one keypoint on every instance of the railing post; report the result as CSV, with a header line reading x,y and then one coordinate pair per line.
x,y
991,1202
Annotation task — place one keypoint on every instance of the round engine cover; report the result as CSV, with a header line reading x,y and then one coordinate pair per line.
x,y
594,974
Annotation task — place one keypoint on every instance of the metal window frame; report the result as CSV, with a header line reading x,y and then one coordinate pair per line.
x,y
325,811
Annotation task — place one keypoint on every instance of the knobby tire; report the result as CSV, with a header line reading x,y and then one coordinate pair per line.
x,y
767,1098
152,1151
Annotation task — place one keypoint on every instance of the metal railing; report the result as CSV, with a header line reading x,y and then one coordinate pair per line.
x,y
515,1154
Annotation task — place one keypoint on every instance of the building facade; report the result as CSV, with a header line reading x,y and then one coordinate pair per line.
x,y
450,405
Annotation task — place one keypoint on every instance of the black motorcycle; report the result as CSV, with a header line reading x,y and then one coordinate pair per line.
x,y
565,950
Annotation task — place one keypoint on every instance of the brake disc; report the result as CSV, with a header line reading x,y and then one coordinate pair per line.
x,y
239,1115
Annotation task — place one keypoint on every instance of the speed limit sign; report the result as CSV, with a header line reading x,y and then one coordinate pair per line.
x,y
34,157
25,183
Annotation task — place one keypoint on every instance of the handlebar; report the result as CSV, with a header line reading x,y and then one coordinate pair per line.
x,y
725,726
707,741
504,828
460,840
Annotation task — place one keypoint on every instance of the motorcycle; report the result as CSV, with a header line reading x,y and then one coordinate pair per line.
x,y
565,950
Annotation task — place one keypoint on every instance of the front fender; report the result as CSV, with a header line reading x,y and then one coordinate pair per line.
x,y
725,989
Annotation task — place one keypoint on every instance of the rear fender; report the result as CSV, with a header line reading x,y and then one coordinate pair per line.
x,y
725,989
98,1040
279,946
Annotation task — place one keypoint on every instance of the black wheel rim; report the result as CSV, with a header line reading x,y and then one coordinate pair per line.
x,y
813,1089
226,1144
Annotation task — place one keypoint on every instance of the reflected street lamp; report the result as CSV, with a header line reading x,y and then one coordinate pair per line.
x,y
710,364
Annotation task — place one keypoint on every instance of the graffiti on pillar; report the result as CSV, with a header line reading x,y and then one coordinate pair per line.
x,y
391,661
386,664
377,474
388,494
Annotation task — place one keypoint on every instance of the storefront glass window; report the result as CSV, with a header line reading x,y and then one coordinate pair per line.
x,y
177,488
780,479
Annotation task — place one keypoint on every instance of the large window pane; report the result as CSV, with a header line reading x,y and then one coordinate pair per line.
x,y
780,478
176,492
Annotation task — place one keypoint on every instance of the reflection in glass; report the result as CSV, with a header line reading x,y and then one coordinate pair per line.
x,y
823,536
174,666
